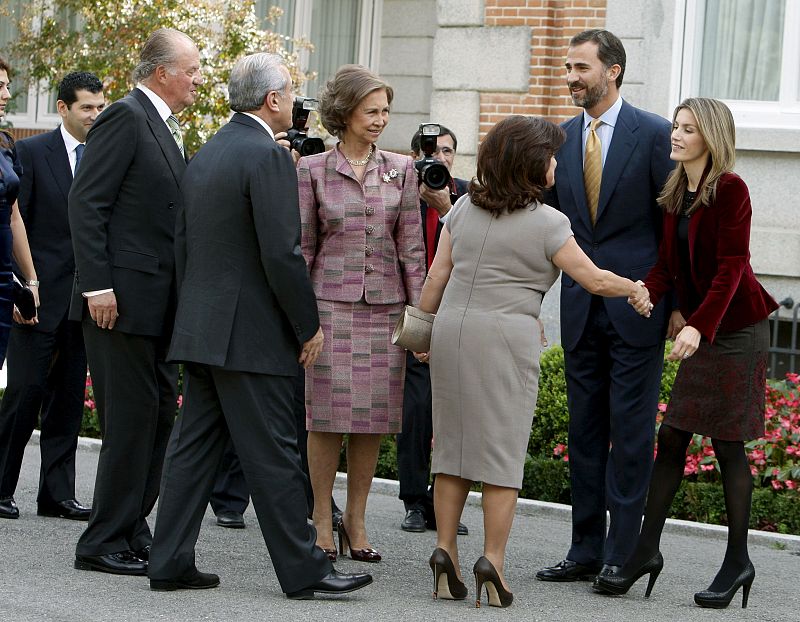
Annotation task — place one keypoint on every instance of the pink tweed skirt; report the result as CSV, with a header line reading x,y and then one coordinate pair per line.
x,y
356,384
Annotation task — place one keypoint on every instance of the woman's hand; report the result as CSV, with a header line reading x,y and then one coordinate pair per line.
x,y
686,344
676,324
639,299
422,357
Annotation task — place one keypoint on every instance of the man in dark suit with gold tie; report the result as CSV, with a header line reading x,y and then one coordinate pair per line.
x,y
47,361
122,213
611,169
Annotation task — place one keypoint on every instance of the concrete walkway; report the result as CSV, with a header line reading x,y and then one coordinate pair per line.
x,y
38,582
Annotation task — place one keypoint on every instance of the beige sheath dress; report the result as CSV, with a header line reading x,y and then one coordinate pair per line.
x,y
486,341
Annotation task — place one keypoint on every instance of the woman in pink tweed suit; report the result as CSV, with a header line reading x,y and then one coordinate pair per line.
x,y
362,240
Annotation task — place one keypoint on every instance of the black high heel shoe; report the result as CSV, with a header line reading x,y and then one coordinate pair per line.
x,y
450,588
720,600
620,584
359,555
497,595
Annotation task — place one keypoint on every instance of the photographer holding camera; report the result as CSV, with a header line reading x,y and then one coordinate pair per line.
x,y
414,441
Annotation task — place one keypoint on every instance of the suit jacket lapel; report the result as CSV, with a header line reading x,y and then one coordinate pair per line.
x,y
163,136
572,163
623,143
58,162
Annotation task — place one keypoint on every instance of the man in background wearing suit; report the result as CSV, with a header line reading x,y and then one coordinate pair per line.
x,y
47,361
122,214
246,315
610,171
414,442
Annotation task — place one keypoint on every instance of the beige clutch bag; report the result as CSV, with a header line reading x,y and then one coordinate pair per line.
x,y
413,330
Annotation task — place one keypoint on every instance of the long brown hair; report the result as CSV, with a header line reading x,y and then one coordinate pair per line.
x,y
513,161
6,139
715,124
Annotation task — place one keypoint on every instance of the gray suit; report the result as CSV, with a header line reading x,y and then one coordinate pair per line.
x,y
245,307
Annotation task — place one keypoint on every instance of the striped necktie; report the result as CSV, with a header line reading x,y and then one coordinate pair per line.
x,y
593,169
172,121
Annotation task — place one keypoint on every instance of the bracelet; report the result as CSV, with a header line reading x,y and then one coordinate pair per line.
x,y
32,283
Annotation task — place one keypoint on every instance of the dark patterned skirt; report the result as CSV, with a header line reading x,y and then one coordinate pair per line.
x,y
720,391
356,384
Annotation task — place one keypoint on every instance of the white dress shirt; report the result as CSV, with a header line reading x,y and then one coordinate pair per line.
x,y
71,143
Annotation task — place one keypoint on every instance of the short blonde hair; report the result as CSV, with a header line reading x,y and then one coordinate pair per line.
x,y
342,94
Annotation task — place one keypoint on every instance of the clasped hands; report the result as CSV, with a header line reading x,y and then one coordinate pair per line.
x,y
640,300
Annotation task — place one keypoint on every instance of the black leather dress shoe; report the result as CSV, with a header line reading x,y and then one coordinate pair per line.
x,y
197,581
568,570
334,582
606,571
414,521
231,520
8,508
124,562
430,523
69,508
143,553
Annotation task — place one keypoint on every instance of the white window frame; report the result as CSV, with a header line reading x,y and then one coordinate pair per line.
x,y
783,114
369,35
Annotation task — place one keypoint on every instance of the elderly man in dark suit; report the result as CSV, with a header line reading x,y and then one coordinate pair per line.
x,y
610,171
246,315
47,361
122,214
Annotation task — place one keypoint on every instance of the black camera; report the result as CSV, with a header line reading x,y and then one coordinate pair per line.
x,y
430,171
297,135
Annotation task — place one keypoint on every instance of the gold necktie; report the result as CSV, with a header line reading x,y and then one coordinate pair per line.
x,y
176,131
593,169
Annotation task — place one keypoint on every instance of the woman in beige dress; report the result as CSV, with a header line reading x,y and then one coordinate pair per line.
x,y
500,251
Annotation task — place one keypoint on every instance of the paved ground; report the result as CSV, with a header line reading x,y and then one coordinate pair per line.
x,y
38,583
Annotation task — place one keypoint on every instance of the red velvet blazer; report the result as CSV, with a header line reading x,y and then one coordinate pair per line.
x,y
719,251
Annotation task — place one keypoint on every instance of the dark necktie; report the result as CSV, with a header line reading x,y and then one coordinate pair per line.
x,y
78,155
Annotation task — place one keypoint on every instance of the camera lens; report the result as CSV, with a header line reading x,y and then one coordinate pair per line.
x,y
435,176
309,146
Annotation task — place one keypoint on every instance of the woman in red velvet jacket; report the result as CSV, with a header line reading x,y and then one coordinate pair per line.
x,y
723,344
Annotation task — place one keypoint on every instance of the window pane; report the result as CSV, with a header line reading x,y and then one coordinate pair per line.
x,y
19,90
334,33
285,25
741,57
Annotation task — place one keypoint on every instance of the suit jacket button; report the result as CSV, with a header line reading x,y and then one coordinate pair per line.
x,y
369,211
369,229
595,246
171,205
369,268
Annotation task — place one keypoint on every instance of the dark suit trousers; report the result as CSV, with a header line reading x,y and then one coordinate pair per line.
x,y
255,411
47,374
230,493
414,441
135,391
612,394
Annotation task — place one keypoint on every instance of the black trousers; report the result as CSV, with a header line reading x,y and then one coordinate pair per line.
x,y
612,395
414,440
230,491
47,375
136,395
255,412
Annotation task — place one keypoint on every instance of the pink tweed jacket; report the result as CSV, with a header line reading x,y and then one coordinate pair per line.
x,y
362,239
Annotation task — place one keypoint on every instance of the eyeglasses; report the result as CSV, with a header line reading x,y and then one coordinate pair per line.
x,y
445,151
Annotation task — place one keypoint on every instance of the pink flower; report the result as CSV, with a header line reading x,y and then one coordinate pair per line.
x,y
791,484
180,401
777,484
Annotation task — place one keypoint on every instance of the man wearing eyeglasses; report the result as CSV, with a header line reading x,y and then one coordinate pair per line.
x,y
414,441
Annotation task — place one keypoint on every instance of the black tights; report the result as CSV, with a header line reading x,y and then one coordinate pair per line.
x,y
737,484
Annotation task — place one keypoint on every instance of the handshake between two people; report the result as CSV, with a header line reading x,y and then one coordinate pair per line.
x,y
639,299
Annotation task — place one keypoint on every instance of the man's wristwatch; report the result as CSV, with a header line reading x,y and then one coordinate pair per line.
x,y
32,283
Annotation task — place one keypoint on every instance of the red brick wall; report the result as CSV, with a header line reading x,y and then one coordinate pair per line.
x,y
552,23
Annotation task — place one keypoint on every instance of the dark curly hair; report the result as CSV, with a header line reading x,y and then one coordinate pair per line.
x,y
513,161
341,94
